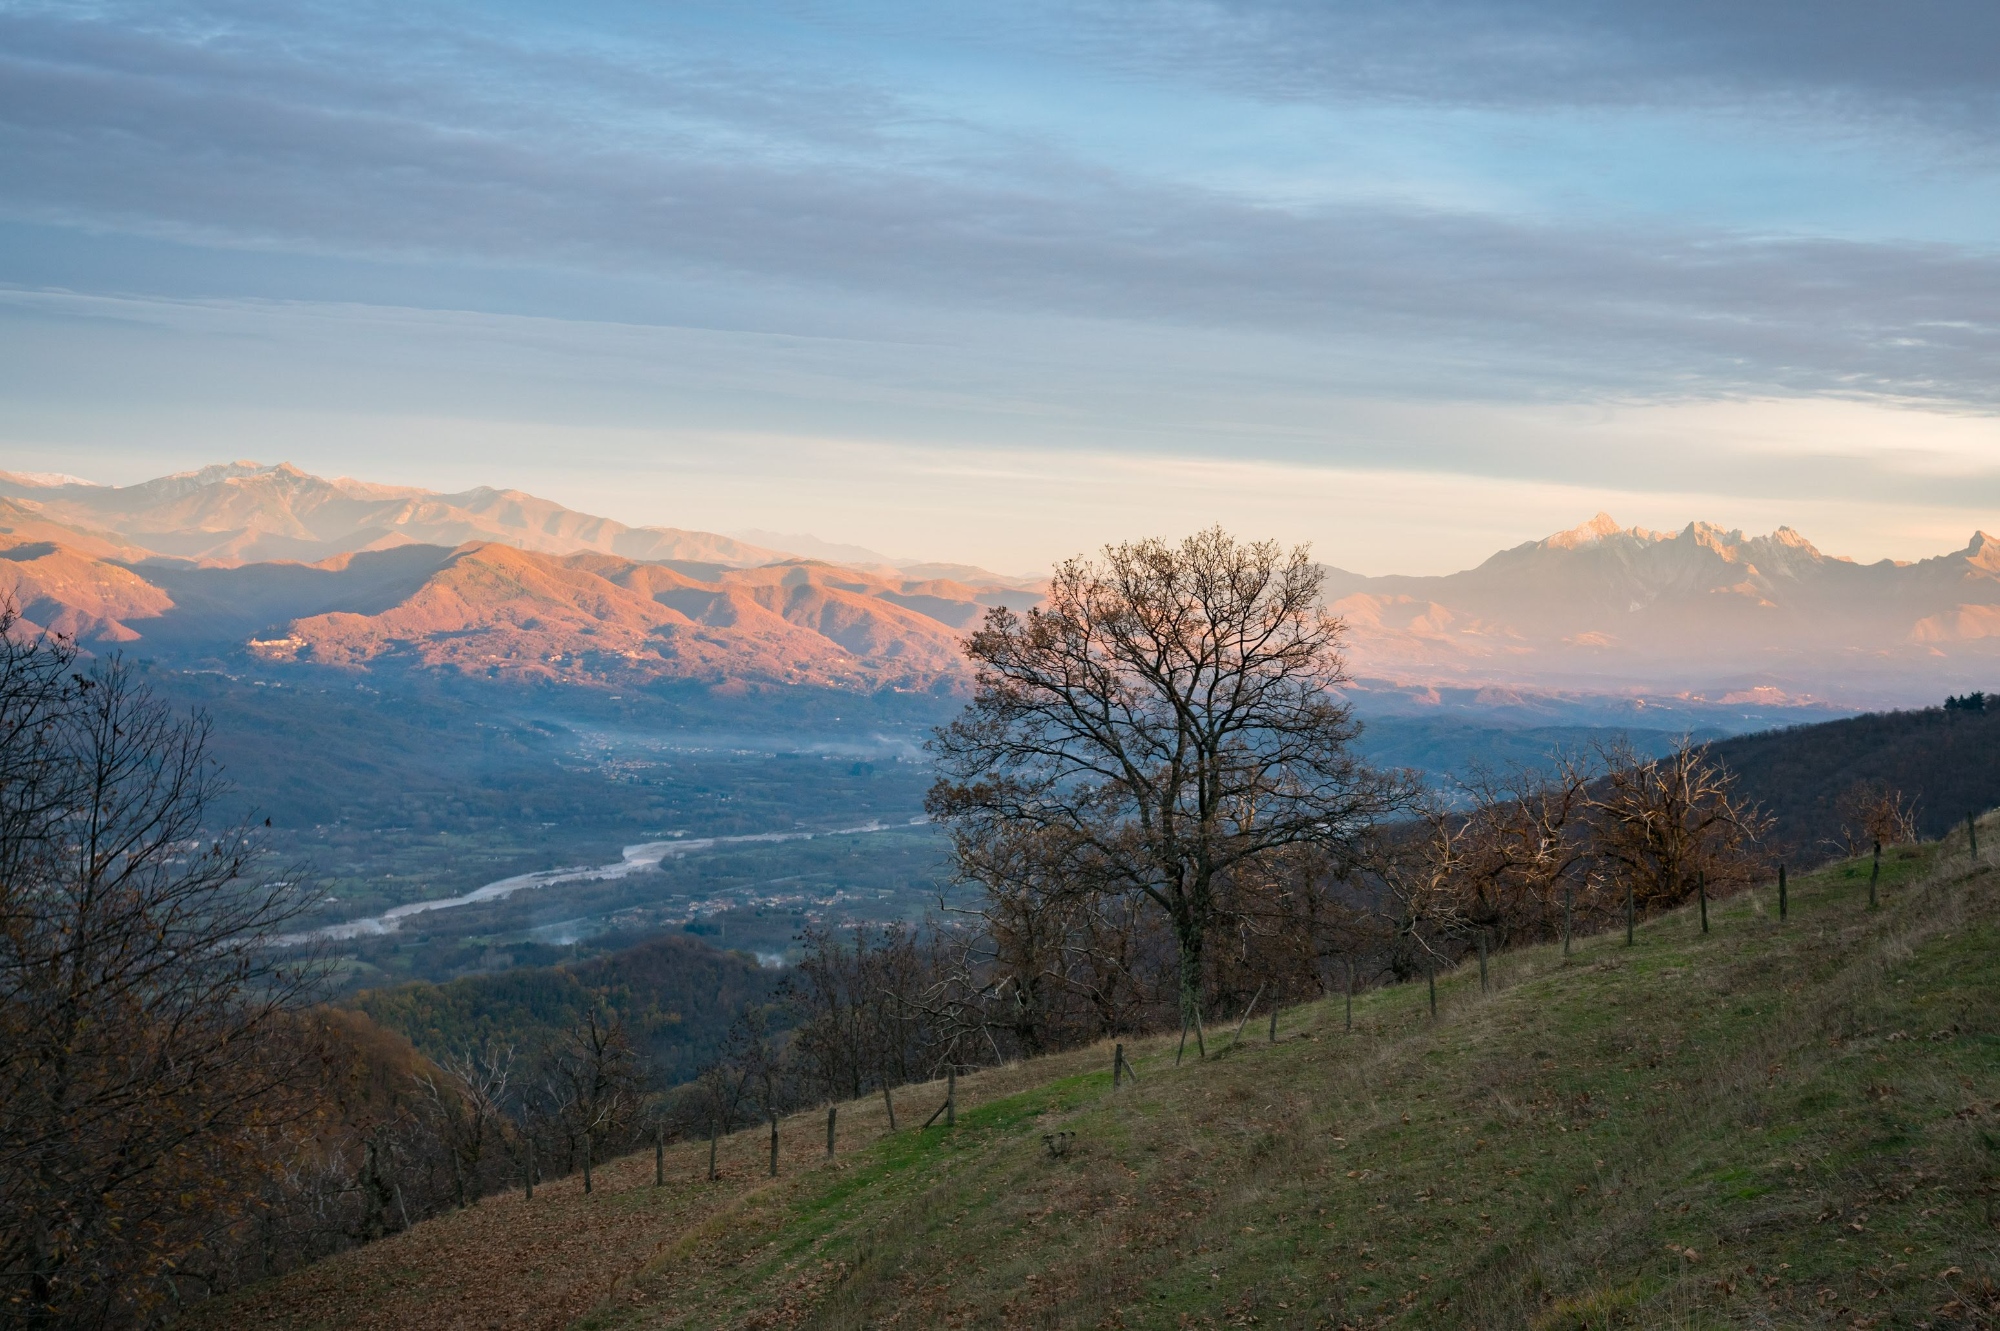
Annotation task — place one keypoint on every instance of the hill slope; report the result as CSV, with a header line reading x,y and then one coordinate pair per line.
x,y
1942,760
494,610
1770,1123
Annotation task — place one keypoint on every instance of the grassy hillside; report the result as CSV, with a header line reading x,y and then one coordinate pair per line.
x,y
1790,1123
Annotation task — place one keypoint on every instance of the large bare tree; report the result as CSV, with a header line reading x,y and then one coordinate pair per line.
x,y
143,1083
1167,716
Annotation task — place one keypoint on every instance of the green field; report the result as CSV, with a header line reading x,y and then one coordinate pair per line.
x,y
1773,1124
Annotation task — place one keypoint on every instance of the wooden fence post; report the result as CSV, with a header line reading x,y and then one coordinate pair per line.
x,y
1631,911
1874,873
888,1104
1273,1038
951,1096
1701,890
1246,1016
774,1141
1431,977
831,1110
714,1131
659,1155
1117,1064
951,1077
1972,834
1781,892
586,1161
1482,961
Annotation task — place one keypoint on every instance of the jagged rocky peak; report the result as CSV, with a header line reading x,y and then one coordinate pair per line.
x,y
1983,553
1596,529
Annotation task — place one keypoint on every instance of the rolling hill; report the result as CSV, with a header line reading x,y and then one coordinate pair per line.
x,y
675,994
493,610
1774,1123
1943,762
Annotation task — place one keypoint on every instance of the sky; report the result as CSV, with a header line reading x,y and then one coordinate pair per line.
x,y
1410,280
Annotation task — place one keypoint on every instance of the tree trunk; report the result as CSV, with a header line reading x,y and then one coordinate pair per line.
x,y
1188,940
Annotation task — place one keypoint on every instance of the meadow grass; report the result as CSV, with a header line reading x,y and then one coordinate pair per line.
x,y
1771,1124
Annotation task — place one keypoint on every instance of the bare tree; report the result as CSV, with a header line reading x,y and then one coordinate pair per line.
x,y
465,1101
1525,849
1294,919
597,1079
1422,870
837,988
1663,822
142,1093
1166,717
1872,812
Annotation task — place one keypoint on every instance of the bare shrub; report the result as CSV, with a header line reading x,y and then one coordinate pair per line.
x,y
1872,813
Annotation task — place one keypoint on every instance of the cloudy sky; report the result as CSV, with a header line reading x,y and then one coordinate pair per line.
x,y
1411,280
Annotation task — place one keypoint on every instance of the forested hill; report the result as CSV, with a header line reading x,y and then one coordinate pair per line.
x,y
676,996
1946,761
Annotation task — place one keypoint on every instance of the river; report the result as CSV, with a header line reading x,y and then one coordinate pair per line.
x,y
645,855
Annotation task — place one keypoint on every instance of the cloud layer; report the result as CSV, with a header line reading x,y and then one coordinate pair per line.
x,y
1024,229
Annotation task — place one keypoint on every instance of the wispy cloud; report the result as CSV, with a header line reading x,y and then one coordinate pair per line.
x,y
1282,230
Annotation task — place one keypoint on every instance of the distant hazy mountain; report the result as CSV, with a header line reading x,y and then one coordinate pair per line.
x,y
243,512
273,563
860,556
1769,617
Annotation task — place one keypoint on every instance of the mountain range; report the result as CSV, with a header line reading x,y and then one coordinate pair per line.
x,y
242,512
1765,617
272,565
